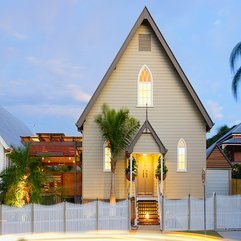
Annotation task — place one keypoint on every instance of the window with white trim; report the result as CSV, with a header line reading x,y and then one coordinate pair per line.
x,y
107,157
145,82
181,156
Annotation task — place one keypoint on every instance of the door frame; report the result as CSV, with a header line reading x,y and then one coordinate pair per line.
x,y
153,153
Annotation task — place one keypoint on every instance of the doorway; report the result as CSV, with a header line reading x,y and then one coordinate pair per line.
x,y
145,178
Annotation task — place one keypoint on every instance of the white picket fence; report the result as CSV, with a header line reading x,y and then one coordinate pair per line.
x,y
65,217
222,212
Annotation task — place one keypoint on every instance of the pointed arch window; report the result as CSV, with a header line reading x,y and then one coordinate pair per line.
x,y
145,87
107,157
181,156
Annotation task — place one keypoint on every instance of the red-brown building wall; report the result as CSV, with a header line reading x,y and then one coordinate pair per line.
x,y
217,159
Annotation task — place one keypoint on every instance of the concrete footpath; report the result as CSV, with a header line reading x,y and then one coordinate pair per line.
x,y
231,235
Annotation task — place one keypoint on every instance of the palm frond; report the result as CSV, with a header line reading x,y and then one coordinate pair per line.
x,y
117,127
235,55
235,82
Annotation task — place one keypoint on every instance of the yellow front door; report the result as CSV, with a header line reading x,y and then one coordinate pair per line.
x,y
145,179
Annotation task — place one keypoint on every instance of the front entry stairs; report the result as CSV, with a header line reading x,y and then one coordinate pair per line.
x,y
147,212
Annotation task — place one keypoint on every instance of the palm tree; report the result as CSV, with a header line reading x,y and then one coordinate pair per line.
x,y
22,182
118,129
234,57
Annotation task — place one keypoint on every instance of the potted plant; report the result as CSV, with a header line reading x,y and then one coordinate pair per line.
x,y
134,170
158,170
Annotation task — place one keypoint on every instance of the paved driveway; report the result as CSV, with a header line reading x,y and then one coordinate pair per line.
x,y
231,235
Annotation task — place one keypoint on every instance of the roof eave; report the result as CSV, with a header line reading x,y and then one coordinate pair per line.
x,y
147,125
146,15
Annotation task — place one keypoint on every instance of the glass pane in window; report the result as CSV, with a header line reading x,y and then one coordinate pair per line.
x,y
145,88
181,165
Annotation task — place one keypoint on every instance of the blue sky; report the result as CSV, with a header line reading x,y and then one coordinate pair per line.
x,y
53,53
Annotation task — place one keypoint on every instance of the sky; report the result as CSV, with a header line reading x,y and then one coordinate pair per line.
x,y
54,53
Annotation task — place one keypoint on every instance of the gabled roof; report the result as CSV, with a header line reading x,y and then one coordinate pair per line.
x,y
232,141
235,130
11,128
147,129
4,144
215,162
146,16
210,149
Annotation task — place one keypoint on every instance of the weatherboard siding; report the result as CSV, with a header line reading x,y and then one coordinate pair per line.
x,y
146,143
217,160
2,157
174,115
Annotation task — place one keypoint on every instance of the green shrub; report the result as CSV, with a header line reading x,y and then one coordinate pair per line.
x,y
236,171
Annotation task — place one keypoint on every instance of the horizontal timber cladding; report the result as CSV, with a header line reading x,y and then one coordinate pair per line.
x,y
146,143
174,115
217,159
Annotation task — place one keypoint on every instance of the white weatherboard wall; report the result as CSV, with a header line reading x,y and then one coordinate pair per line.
x,y
173,116
217,181
3,157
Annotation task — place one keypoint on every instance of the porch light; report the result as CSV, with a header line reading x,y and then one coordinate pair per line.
x,y
42,158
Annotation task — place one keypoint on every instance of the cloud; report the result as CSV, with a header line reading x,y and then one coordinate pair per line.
x,y
217,22
70,75
235,122
45,110
77,93
215,109
60,68
6,28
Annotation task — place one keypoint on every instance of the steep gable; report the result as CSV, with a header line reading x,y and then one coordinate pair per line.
x,y
146,18
217,159
146,134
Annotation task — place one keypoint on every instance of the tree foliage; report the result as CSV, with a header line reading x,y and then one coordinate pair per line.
x,y
118,129
221,131
22,182
236,171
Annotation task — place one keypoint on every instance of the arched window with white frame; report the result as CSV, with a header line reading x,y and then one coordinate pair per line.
x,y
106,157
181,156
145,87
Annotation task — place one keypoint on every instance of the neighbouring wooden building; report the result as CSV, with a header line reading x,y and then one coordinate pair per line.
x,y
219,165
61,156
146,72
218,172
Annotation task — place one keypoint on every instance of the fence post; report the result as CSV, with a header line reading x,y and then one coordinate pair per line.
x,y
32,219
215,211
163,214
65,217
129,213
1,217
189,212
97,214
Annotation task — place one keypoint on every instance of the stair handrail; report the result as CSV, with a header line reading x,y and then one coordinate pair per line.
x,y
159,194
136,211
